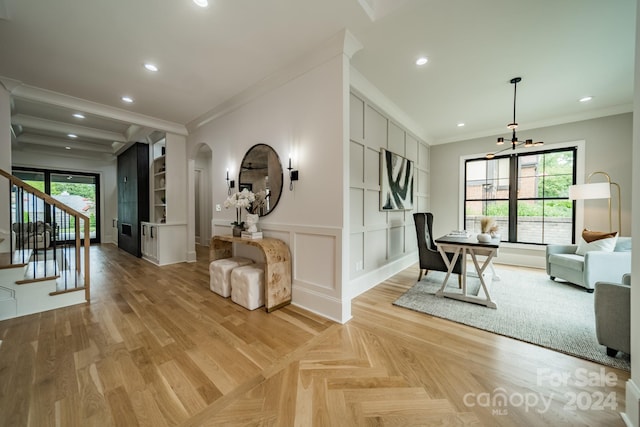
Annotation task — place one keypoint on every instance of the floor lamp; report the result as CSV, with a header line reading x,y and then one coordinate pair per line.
x,y
597,190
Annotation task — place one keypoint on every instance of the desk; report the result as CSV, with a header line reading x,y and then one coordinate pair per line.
x,y
277,265
461,246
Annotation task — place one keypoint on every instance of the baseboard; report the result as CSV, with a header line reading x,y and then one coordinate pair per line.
x,y
322,305
191,256
371,279
631,416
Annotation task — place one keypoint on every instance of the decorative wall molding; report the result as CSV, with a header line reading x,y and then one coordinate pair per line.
x,y
311,288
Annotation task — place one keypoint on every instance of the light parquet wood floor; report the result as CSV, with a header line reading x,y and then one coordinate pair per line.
x,y
157,348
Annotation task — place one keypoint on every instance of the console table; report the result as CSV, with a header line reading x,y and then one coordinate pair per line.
x,y
277,265
461,246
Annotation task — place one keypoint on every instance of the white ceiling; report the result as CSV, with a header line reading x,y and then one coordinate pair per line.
x,y
94,51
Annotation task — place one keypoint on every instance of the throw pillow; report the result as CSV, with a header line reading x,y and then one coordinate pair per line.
x,y
590,235
606,245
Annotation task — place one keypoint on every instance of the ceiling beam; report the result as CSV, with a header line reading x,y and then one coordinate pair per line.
x,y
65,128
54,142
31,93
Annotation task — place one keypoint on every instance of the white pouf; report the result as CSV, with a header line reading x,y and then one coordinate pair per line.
x,y
220,274
247,286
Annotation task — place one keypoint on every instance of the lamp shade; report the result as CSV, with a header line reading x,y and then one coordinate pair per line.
x,y
598,190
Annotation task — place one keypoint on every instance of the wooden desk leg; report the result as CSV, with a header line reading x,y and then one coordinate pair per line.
x,y
450,265
489,303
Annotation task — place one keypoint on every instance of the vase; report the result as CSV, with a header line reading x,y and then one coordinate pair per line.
x,y
484,237
237,231
252,222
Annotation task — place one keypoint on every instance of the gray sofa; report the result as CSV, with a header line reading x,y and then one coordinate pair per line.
x,y
594,266
612,305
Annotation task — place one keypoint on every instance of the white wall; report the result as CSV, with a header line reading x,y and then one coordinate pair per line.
x,y
608,142
302,116
381,243
105,167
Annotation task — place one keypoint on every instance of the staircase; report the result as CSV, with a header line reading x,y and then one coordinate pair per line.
x,y
44,257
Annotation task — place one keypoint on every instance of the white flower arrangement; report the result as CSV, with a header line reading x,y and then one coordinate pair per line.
x,y
245,199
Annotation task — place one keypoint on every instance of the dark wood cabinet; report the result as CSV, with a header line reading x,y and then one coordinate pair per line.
x,y
133,196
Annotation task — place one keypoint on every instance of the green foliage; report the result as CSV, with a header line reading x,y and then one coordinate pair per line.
x,y
83,190
557,174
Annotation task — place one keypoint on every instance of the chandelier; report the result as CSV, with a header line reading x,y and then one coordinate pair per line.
x,y
513,126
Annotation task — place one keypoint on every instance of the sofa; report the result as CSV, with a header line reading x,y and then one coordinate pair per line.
x,y
563,262
32,235
612,305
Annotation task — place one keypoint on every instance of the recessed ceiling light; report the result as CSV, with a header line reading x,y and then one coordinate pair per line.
x,y
150,67
127,99
460,125
67,148
586,99
422,60
78,116
72,135
201,3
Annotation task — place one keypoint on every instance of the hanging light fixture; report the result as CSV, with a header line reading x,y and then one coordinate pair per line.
x,y
513,126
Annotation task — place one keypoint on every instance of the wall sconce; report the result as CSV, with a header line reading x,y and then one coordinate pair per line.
x,y
293,174
230,183
598,190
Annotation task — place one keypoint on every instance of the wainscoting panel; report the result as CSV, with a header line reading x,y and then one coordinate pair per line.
x,y
395,143
356,170
375,252
375,128
373,217
315,260
396,242
356,254
356,208
356,122
371,171
386,241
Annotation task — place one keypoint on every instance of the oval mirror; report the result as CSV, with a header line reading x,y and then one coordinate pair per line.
x,y
261,171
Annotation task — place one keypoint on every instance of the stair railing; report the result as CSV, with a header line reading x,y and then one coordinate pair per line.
x,y
51,238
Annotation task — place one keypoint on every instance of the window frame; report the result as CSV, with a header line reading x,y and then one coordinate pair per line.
x,y
578,176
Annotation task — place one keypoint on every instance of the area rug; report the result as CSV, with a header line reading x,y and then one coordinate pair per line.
x,y
531,308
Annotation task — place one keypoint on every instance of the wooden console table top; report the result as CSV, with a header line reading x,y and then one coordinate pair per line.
x,y
277,266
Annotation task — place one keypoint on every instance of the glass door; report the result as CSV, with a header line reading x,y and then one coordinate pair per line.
x,y
79,192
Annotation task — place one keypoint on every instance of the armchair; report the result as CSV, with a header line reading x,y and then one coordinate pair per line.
x,y
563,262
32,235
430,258
612,307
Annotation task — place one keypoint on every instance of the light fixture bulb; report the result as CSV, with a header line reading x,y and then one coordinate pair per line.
x,y
201,3
67,148
78,115
586,99
490,156
150,67
72,135
127,99
460,125
422,60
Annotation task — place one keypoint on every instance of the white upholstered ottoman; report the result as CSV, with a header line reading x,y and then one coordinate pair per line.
x,y
247,286
220,274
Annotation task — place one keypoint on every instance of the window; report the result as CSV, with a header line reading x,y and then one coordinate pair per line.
x,y
526,193
78,190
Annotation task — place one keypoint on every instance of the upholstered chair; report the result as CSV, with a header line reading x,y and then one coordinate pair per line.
x,y
430,258
612,305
